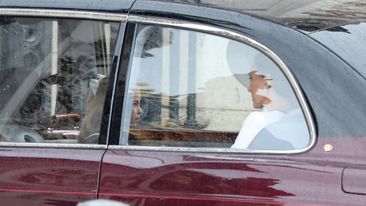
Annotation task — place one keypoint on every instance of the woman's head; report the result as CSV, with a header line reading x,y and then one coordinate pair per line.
x,y
136,108
258,83
267,93
268,86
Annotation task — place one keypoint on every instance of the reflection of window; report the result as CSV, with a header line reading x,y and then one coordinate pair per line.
x,y
195,92
50,73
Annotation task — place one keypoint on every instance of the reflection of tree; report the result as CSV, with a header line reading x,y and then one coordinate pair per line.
x,y
151,107
312,24
193,1
338,29
151,37
57,201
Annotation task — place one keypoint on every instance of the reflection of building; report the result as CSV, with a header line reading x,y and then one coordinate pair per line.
x,y
295,12
224,105
191,87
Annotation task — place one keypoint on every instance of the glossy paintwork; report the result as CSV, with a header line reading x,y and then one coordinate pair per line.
x,y
55,176
161,178
48,176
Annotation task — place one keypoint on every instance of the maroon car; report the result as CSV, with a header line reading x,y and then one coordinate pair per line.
x,y
182,102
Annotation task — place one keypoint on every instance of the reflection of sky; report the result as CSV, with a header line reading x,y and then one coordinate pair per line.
x,y
210,61
349,45
142,160
74,154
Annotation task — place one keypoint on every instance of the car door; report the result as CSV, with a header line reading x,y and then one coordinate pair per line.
x,y
57,75
183,104
184,99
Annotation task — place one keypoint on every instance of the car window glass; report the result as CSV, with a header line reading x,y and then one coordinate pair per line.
x,y
52,76
191,89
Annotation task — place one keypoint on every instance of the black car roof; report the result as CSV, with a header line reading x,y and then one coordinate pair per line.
x,y
308,15
90,5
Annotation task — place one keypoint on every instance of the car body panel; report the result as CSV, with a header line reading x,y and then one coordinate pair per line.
x,y
326,174
346,41
48,175
163,178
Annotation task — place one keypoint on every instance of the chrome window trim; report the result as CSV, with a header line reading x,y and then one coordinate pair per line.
x,y
53,145
92,15
179,149
244,39
59,13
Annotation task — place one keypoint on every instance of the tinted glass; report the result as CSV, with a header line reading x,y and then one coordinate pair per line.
x,y
50,77
348,42
191,89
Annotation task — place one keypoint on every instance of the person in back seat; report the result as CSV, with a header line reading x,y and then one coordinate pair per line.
x,y
279,123
89,130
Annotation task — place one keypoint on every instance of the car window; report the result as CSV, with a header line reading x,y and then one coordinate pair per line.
x,y
192,89
53,78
